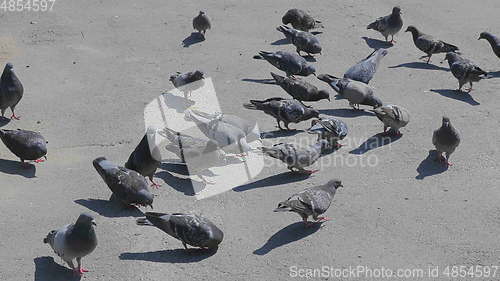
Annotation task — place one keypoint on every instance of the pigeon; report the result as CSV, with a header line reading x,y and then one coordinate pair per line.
x,y
74,241
201,23
250,128
464,70
388,25
228,137
143,161
297,158
127,185
493,40
393,116
428,44
302,40
364,70
300,20
198,154
187,81
26,145
300,89
286,110
446,139
330,129
290,63
312,201
190,229
355,92
11,90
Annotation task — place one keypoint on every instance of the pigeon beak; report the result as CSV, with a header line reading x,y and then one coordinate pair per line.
x,y
93,223
479,38
314,74
329,99
151,205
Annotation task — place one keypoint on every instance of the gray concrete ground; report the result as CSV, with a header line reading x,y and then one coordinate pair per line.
x,y
90,67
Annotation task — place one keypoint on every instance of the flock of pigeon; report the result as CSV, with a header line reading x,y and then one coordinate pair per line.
x,y
128,183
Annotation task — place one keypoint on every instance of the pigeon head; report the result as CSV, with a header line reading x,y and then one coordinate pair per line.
x,y
85,220
414,31
451,57
446,121
331,80
9,66
313,113
315,48
145,198
484,35
309,69
335,183
324,94
288,18
198,75
202,13
373,101
382,52
396,10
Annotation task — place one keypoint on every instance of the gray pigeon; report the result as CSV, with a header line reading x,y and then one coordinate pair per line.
x,y
143,161
464,70
127,185
312,201
300,20
428,44
250,128
388,25
228,137
355,92
190,229
446,139
290,63
493,40
302,40
297,158
201,23
330,129
300,89
198,154
11,90
393,116
26,145
364,70
74,241
288,111
188,82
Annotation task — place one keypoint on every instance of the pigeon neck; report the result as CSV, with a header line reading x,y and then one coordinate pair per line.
x,y
492,39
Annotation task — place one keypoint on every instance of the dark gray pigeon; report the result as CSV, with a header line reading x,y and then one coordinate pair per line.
x,y
302,40
190,229
428,44
493,40
357,93
143,161
188,82
364,70
464,70
11,90
74,241
130,187
330,129
297,158
290,63
300,20
446,139
26,145
393,116
300,89
288,111
201,23
388,25
312,201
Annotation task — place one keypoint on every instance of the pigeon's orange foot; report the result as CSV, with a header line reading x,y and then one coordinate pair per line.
x,y
15,117
39,160
322,219
155,185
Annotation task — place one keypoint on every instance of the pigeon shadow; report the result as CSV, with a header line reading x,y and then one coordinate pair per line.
x,y
430,167
261,81
170,256
346,112
183,185
283,41
495,74
283,178
316,32
179,103
455,94
16,168
192,39
287,235
279,133
421,65
4,121
46,269
377,44
374,142
111,208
